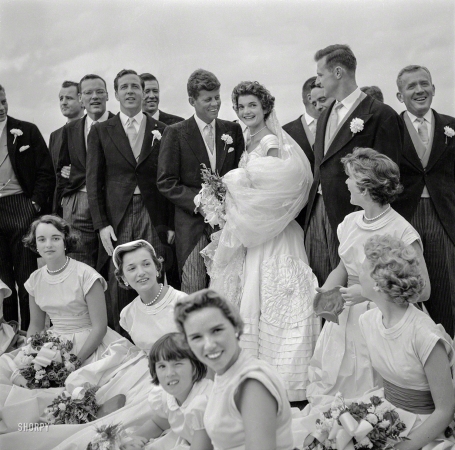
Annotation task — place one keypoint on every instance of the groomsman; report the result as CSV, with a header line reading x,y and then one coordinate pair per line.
x,y
318,98
428,176
72,109
186,145
152,100
303,129
27,183
72,191
124,201
379,127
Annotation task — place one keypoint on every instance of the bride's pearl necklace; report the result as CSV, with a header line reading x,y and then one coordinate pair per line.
x,y
366,219
61,268
156,298
257,132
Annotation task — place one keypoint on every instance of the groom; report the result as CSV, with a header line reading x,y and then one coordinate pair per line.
x,y
184,147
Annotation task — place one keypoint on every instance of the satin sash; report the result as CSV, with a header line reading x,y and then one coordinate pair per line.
x,y
417,402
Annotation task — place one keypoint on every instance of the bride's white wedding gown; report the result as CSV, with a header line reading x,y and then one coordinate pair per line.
x,y
258,260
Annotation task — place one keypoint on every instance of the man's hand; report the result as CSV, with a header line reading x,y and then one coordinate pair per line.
x,y
170,237
107,235
65,172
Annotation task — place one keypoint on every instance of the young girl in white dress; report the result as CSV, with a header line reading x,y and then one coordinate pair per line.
x,y
181,405
248,408
258,260
413,355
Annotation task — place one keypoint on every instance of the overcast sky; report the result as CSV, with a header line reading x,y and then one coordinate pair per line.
x,y
273,41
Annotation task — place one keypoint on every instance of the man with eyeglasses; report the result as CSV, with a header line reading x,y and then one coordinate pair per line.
x,y
71,191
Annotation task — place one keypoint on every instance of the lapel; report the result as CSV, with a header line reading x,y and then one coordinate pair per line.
x,y
120,139
78,138
220,145
439,140
409,143
11,124
196,142
147,146
320,135
344,133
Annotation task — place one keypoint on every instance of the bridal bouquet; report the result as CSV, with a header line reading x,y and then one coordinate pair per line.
x,y
114,437
375,425
76,408
44,362
211,198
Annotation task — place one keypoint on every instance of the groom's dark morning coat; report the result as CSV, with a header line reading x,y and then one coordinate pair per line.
x,y
382,131
179,174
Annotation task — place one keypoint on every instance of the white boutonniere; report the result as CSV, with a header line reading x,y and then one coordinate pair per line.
x,y
227,140
24,147
449,132
356,125
16,132
156,135
230,149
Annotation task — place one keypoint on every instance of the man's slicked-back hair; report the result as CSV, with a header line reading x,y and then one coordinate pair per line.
x,y
148,77
91,76
410,69
201,80
67,84
124,72
306,88
337,54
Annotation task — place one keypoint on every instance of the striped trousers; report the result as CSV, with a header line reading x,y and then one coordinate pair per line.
x,y
439,254
136,224
77,213
16,262
321,243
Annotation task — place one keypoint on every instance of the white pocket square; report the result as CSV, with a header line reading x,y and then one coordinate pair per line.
x,y
24,147
230,149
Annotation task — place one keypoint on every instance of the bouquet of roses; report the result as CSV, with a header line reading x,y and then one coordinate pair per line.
x,y
114,437
211,198
44,362
375,425
76,408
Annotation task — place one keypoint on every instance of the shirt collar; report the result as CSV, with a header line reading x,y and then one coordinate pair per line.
x,y
3,125
308,118
428,116
201,124
89,120
138,117
349,101
156,116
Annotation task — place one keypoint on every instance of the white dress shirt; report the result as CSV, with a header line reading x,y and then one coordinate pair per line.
x,y
311,122
156,116
348,103
201,125
428,117
137,120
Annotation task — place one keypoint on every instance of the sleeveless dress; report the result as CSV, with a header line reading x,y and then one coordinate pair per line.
x,y
341,361
223,421
183,419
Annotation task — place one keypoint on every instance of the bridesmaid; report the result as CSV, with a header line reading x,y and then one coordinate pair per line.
x,y
248,408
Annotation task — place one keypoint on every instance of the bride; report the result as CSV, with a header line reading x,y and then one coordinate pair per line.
x,y
258,259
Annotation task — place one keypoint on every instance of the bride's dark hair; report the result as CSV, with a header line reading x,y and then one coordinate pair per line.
x,y
258,90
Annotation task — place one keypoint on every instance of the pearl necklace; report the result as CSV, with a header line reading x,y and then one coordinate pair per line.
x,y
377,217
156,298
61,268
252,135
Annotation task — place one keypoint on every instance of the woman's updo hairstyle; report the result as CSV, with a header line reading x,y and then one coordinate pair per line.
x,y
266,99
395,268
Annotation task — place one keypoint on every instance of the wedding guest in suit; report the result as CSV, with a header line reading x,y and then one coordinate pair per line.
x,y
428,176
72,109
303,129
72,191
354,120
318,98
373,91
27,183
152,100
124,201
186,145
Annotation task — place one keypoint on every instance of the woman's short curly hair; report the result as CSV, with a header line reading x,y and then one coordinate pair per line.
x,y
71,237
206,298
173,347
395,268
121,252
258,90
374,172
